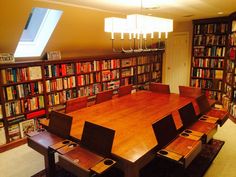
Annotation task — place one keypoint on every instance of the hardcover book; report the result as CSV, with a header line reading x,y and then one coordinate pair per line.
x,y
26,127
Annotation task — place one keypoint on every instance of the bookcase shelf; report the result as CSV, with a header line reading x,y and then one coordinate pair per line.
x,y
208,55
229,97
47,85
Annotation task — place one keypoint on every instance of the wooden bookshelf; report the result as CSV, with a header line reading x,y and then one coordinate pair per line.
x,y
229,98
30,90
209,55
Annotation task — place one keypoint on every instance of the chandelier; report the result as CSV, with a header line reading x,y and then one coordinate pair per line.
x,y
138,27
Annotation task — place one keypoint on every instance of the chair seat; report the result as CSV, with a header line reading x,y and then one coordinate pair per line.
x,y
186,147
79,161
209,129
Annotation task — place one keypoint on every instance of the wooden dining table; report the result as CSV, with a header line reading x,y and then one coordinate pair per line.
x,y
131,117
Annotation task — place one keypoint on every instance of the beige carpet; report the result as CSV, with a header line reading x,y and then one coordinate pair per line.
x,y
24,162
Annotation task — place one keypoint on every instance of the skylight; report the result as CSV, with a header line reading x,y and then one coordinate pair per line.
x,y
37,31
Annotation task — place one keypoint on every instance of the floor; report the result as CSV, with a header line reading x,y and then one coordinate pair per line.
x,y
24,162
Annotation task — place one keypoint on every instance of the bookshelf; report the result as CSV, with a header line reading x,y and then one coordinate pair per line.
x,y
208,55
30,90
229,98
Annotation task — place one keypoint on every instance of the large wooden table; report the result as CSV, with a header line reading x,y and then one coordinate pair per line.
x,y
131,117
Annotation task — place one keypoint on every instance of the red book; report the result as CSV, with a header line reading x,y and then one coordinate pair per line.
x,y
35,114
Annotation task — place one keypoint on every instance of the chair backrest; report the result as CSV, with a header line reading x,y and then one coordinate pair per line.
x,y
165,130
104,96
187,115
76,103
192,92
203,104
60,124
160,88
124,90
97,138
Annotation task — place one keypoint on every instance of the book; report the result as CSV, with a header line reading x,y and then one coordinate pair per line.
x,y
26,127
36,114
2,136
1,116
35,72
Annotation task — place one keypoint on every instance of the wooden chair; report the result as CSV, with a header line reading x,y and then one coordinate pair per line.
x,y
125,90
172,146
58,130
192,92
190,121
76,103
60,124
90,156
160,88
205,108
104,96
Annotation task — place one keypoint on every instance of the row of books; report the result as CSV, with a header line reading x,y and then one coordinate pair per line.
x,y
21,106
61,97
230,66
13,75
207,84
23,90
89,90
229,105
17,131
228,90
207,73
127,81
209,39
210,28
156,66
60,84
110,64
143,60
15,119
213,51
232,39
213,95
108,75
87,79
156,75
229,78
143,78
59,70
208,62
126,72
232,53
128,62
111,85
143,69
85,67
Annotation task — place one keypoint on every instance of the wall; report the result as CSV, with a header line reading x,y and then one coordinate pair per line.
x,y
79,32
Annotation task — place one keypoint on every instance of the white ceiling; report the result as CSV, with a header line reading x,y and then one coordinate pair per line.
x,y
180,10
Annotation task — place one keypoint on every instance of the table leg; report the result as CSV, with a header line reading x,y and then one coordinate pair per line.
x,y
131,171
49,162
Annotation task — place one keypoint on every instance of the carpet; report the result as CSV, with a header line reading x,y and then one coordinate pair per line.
x,y
164,168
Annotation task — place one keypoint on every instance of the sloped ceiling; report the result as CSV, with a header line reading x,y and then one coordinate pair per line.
x,y
80,30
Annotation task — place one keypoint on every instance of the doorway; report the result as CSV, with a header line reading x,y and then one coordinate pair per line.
x,y
177,62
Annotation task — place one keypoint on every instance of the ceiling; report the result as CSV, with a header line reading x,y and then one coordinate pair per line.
x,y
179,10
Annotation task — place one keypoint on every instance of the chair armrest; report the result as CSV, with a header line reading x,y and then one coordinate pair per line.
x,y
103,165
209,119
61,144
170,155
68,147
190,135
